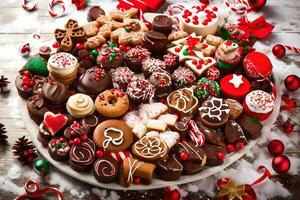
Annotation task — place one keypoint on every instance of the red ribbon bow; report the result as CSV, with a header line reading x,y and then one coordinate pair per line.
x,y
258,28
33,190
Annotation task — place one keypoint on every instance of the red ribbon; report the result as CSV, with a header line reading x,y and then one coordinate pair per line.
x,y
266,174
33,190
258,28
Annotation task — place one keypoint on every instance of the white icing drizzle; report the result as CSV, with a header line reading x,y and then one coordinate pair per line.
x,y
132,168
115,141
111,172
237,80
150,147
182,97
218,110
238,127
193,150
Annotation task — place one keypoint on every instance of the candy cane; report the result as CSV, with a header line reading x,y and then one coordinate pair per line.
x,y
29,5
171,11
292,49
240,7
196,135
142,18
120,156
53,3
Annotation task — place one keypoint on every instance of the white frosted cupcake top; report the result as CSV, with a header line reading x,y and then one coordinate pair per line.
x,y
62,60
80,105
259,101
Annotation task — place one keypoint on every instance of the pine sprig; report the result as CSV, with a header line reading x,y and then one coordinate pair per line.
x,y
3,136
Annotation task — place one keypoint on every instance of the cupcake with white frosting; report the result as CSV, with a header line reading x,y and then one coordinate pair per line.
x,y
80,105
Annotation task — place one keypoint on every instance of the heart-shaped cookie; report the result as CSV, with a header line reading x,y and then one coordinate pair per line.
x,y
54,122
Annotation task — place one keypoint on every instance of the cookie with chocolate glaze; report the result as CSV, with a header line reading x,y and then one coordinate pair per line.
x,y
211,135
169,169
155,41
234,132
82,155
163,24
212,152
106,169
196,158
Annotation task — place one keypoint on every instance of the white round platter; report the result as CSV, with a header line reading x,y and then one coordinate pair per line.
x,y
156,183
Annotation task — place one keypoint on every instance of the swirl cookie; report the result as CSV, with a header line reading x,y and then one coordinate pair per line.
x,y
112,103
150,148
106,169
113,135
82,156
214,112
80,105
63,67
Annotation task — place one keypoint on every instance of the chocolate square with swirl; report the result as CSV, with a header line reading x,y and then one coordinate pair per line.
x,y
106,169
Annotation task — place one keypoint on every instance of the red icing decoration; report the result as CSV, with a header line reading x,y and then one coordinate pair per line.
x,y
54,122
184,156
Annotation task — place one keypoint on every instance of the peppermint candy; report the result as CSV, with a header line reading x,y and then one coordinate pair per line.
x,y
59,3
120,156
29,5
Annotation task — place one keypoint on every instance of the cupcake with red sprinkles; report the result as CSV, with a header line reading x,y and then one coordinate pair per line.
x,y
258,104
140,91
228,56
121,77
183,77
135,57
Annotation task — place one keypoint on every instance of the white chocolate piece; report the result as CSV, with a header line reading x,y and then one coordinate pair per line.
x,y
170,119
170,138
139,130
156,125
201,65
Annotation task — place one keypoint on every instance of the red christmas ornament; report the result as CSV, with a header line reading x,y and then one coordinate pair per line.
x,y
99,153
80,4
281,164
257,4
171,194
278,50
288,126
239,145
292,82
275,147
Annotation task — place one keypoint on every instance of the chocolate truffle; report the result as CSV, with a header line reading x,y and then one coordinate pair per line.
x,y
171,62
59,149
155,41
36,108
135,56
94,81
161,79
163,24
140,91
106,169
121,77
150,65
45,52
183,77
94,12
234,132
24,85
55,94
76,130
110,58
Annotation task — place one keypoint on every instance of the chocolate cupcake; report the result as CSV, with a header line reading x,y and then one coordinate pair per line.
x,y
110,58
59,149
121,77
94,81
163,24
183,77
161,79
135,56
140,91
150,65
55,94
155,41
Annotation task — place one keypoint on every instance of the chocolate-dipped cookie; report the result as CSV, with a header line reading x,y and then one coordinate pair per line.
x,y
135,57
161,79
82,155
192,157
94,81
121,77
76,130
151,65
110,58
214,112
94,12
36,108
183,77
155,41
55,94
59,149
236,109
163,24
211,135
169,169
251,127
106,169
140,91
234,132
213,152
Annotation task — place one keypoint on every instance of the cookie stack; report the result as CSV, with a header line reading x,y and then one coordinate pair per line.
x,y
125,101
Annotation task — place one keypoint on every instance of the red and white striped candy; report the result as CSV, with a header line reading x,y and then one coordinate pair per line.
x,y
171,11
292,49
120,156
25,50
240,7
195,134
29,5
59,3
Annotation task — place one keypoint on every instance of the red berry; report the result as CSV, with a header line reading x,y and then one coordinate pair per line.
x,y
79,46
31,83
230,148
76,141
184,156
175,195
62,140
99,153
177,49
71,142
195,22
55,45
204,22
83,137
239,145
137,180
25,153
25,87
29,151
187,20
73,132
26,73
221,156
194,62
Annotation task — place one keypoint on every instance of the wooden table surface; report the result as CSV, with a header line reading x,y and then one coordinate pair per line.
x,y
284,14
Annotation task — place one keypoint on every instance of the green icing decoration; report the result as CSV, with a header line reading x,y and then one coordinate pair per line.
x,y
135,23
111,59
224,34
37,65
113,54
94,52
112,44
224,66
185,52
127,29
253,119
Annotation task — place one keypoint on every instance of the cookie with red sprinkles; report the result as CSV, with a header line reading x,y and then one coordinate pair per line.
x,y
150,65
171,61
183,77
110,58
135,56
140,91
121,77
258,104
161,79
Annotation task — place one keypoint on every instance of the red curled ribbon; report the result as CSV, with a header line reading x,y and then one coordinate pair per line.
x,y
267,174
258,28
33,190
